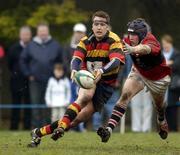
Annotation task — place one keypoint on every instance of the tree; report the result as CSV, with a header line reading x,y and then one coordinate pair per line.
x,y
60,16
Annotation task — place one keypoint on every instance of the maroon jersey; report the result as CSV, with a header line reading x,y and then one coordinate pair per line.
x,y
153,65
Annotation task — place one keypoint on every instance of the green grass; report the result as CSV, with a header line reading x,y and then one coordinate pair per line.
x,y
14,143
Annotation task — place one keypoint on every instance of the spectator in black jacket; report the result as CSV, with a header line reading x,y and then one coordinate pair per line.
x,y
18,82
172,56
37,63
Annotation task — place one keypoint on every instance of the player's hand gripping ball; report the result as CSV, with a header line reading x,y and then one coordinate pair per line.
x,y
84,79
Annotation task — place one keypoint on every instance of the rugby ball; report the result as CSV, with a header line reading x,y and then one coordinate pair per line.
x,y
84,79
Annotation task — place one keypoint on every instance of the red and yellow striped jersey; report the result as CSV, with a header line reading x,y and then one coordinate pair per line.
x,y
96,54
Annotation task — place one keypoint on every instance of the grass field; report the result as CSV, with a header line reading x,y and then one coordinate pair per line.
x,y
14,143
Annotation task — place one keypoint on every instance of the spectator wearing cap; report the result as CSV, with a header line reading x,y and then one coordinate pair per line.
x,y
172,56
79,31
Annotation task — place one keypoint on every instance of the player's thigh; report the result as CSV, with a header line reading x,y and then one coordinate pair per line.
x,y
85,95
131,87
158,90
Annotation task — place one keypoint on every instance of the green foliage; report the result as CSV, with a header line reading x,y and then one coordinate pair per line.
x,y
11,21
60,17
56,14
8,28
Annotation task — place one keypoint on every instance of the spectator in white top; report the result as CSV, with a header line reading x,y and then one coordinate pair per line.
x,y
58,93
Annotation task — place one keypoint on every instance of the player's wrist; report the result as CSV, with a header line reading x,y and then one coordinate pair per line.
x,y
73,72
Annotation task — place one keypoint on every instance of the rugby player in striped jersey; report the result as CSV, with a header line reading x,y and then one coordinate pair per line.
x,y
100,53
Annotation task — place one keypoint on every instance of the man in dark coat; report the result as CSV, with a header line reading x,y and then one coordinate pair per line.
x,y
18,82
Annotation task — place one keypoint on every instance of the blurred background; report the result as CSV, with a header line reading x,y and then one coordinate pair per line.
x,y
60,17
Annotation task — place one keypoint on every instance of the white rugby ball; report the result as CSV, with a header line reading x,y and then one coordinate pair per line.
x,y
84,79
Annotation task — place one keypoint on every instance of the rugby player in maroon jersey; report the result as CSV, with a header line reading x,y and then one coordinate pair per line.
x,y
149,69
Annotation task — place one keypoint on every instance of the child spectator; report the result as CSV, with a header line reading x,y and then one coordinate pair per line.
x,y
58,93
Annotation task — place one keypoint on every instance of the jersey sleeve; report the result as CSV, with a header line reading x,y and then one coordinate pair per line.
x,y
152,42
115,51
80,51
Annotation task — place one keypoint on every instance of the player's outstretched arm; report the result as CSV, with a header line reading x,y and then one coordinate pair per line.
x,y
139,49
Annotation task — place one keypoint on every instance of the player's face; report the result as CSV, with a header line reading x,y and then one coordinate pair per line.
x,y
134,39
99,27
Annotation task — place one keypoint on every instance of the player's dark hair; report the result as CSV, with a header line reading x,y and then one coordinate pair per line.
x,y
102,14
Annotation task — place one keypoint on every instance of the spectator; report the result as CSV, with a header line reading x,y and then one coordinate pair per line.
x,y
172,56
18,82
79,31
58,93
141,112
37,63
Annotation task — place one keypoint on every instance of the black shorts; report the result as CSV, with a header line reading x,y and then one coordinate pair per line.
x,y
102,95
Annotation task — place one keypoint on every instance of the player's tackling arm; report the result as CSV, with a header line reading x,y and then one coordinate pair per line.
x,y
148,45
139,49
